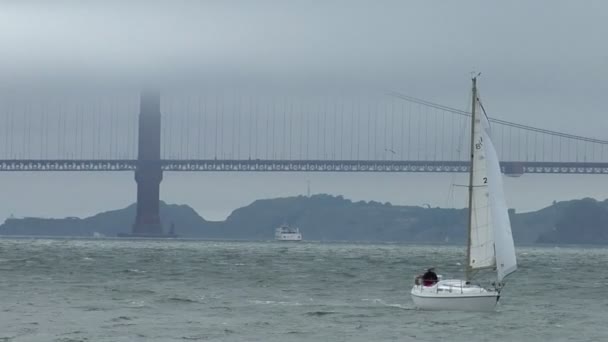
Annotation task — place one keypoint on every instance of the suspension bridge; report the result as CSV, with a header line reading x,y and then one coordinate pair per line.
x,y
395,133
266,133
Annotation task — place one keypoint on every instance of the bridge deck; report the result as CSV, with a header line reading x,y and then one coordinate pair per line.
x,y
258,165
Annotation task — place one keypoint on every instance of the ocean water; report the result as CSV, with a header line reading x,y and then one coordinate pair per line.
x,y
119,290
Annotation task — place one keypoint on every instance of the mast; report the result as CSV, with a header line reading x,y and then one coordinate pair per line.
x,y
473,105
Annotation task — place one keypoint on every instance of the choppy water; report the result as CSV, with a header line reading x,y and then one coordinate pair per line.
x,y
108,290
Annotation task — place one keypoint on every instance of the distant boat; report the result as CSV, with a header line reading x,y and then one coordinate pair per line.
x,y
490,241
98,235
287,233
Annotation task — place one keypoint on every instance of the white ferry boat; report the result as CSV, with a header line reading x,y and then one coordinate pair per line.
x,y
287,233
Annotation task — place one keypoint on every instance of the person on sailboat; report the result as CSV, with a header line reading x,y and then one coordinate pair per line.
x,y
429,278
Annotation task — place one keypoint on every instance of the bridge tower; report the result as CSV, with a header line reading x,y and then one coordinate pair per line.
x,y
148,173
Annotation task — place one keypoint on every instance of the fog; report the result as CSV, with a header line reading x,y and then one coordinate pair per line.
x,y
543,64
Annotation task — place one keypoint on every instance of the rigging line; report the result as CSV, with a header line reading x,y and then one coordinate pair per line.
x,y
483,109
498,121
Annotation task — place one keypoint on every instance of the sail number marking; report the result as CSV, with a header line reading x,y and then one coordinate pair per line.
x,y
479,144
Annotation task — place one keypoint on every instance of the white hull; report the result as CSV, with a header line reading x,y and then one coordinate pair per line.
x,y
454,295
287,233
289,237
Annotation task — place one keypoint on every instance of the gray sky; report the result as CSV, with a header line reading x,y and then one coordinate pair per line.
x,y
544,63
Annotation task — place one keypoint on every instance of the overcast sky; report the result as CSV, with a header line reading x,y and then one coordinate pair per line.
x,y
544,63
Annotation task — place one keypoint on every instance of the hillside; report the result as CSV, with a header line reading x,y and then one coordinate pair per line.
x,y
108,223
331,218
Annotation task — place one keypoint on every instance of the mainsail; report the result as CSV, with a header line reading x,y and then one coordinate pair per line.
x,y
481,248
491,239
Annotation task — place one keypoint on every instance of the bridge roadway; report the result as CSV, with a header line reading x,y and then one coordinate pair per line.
x,y
260,165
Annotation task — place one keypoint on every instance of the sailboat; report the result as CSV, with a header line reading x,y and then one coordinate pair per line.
x,y
490,240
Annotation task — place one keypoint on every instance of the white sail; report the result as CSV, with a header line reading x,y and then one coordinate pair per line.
x,y
504,248
481,249
491,236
